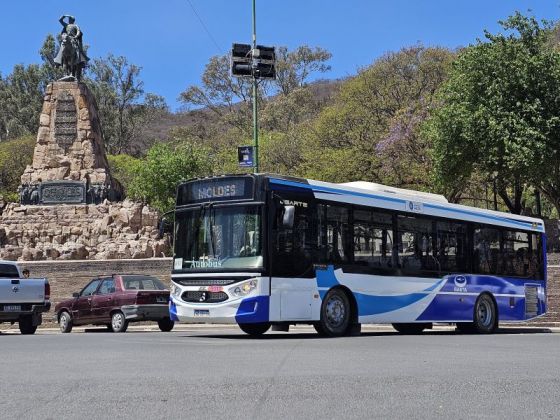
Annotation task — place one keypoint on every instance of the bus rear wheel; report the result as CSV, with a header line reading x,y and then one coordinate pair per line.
x,y
485,315
410,328
256,329
335,314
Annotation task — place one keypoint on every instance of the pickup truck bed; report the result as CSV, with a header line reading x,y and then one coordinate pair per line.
x,y
22,300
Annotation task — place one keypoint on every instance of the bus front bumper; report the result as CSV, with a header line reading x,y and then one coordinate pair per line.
x,y
252,309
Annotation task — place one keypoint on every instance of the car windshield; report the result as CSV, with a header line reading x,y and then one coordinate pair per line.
x,y
142,283
218,238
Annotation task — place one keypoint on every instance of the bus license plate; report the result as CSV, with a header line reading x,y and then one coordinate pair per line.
x,y
201,312
12,308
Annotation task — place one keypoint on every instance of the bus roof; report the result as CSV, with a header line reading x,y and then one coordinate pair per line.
x,y
377,195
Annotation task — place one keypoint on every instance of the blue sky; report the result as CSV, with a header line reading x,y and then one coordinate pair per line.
x,y
150,32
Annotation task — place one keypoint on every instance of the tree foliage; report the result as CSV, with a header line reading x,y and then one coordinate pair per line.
x,y
165,166
500,113
372,131
124,109
15,155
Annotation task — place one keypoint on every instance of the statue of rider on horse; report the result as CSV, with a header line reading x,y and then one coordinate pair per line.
x,y
71,55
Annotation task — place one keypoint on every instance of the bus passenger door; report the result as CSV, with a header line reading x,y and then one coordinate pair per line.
x,y
293,245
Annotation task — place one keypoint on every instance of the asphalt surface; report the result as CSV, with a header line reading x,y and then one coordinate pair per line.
x,y
217,372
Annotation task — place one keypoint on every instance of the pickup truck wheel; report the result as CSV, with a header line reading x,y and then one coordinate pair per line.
x,y
165,324
26,325
119,322
65,322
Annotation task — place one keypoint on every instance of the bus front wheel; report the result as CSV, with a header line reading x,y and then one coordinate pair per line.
x,y
255,329
335,314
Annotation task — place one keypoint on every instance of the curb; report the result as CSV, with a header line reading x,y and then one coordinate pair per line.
x,y
293,328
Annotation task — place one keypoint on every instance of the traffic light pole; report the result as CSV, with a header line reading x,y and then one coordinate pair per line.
x,y
255,107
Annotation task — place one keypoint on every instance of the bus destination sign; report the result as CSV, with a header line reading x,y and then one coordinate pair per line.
x,y
215,190
228,189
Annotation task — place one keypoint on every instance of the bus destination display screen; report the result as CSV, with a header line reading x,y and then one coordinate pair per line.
x,y
220,189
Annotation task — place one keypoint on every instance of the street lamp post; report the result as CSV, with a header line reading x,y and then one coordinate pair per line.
x,y
255,107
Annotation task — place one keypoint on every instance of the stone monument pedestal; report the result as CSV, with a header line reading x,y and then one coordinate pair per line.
x,y
69,148
70,204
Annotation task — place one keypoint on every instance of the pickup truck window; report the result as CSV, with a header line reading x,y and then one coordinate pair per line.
x,y
90,288
9,271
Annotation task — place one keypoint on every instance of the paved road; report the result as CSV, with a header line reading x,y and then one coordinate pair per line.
x,y
220,373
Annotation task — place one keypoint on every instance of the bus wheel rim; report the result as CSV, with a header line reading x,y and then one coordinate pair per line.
x,y
336,311
484,313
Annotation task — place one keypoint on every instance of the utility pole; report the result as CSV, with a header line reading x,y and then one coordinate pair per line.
x,y
255,62
255,107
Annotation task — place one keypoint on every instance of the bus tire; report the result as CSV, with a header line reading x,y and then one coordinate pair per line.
x,y
485,314
336,314
256,329
410,328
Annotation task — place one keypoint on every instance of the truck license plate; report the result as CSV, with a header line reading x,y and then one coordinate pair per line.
x,y
201,312
12,308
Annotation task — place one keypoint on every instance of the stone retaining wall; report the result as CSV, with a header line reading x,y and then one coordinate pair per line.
x,y
66,277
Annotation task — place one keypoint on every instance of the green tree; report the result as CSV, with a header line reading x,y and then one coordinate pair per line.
x,y
372,130
21,100
230,98
124,109
293,68
124,168
499,114
164,167
15,155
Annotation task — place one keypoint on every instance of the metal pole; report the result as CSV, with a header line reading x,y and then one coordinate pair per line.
x,y
255,108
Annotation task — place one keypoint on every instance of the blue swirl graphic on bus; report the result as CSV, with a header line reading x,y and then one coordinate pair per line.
x,y
372,304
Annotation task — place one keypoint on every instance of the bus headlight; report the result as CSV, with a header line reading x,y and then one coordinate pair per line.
x,y
243,289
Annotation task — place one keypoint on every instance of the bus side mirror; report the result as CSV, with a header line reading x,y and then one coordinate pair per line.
x,y
288,217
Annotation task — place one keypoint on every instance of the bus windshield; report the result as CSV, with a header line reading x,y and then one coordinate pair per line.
x,y
214,238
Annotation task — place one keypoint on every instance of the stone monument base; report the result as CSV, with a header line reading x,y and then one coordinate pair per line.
x,y
80,231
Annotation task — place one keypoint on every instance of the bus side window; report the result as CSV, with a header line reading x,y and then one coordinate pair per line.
x,y
451,247
339,247
487,255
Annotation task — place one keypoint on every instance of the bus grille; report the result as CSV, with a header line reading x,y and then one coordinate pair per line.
x,y
203,297
531,302
205,282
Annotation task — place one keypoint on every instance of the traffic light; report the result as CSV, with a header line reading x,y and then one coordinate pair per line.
x,y
264,62
249,62
241,61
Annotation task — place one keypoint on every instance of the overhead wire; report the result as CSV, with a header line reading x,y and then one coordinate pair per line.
x,y
205,28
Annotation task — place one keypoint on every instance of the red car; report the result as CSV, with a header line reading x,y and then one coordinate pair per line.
x,y
116,301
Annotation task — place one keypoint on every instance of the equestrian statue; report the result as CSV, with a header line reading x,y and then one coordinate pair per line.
x,y
71,55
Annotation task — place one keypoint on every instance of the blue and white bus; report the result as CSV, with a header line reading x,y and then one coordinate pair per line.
x,y
267,250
